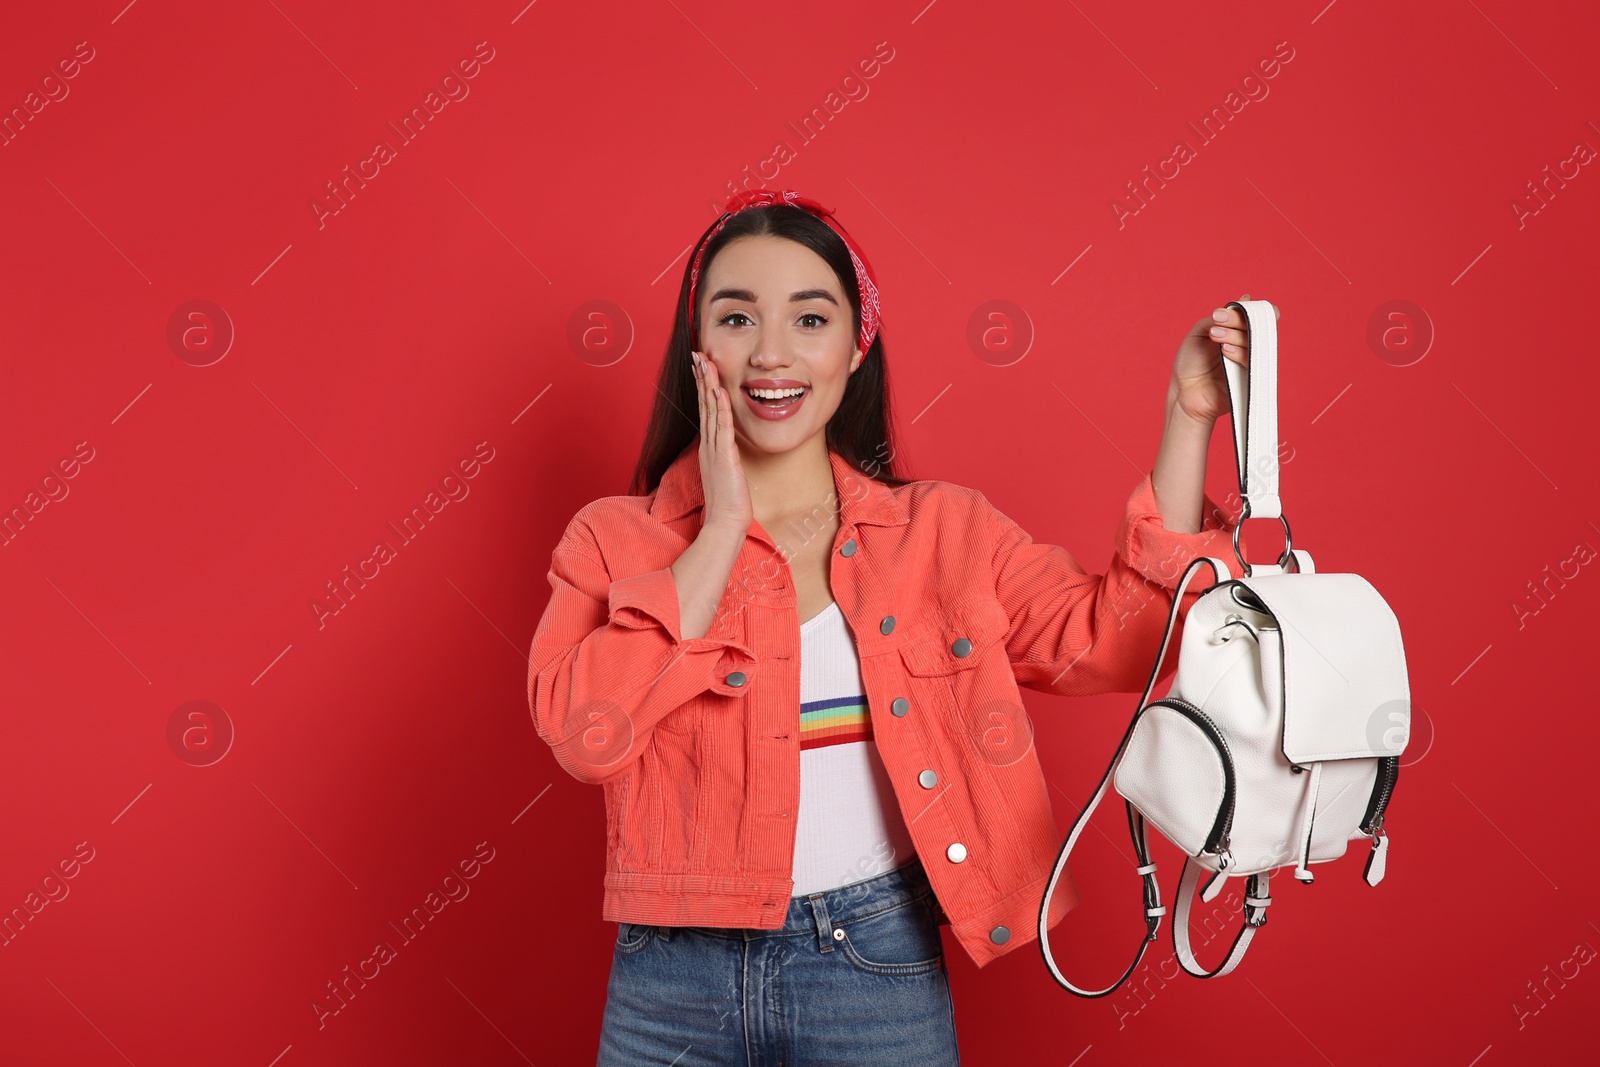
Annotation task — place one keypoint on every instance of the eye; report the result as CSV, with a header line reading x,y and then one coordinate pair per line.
x,y
821,321
724,320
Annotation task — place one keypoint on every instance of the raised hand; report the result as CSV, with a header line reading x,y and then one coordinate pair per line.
x,y
727,494
1199,385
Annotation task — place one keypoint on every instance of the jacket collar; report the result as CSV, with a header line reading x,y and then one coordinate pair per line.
x,y
862,499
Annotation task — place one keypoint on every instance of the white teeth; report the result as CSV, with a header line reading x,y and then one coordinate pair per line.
x,y
775,394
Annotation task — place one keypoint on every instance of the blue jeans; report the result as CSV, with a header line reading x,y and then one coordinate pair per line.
x,y
856,976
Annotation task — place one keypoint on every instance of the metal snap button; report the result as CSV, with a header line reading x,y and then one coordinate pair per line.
x,y
999,935
956,852
848,548
900,706
927,779
962,646
886,627
736,678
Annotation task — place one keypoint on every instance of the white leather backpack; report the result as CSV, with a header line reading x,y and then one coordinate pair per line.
x,y
1279,741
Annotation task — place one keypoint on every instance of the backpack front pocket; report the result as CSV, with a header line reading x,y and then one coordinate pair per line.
x,y
1178,772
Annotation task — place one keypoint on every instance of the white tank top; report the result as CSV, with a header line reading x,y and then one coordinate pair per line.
x,y
849,826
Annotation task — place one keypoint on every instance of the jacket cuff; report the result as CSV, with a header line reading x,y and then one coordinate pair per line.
x,y
646,599
1161,555
651,599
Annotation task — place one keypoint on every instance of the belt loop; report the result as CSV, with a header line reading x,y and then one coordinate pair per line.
x,y
819,912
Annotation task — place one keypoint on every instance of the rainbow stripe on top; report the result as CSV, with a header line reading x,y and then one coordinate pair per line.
x,y
838,721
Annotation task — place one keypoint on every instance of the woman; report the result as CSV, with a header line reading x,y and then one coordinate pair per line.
x,y
795,674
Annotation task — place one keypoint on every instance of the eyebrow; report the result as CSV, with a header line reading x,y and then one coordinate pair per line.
x,y
794,298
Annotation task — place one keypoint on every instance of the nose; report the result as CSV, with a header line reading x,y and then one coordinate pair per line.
x,y
769,351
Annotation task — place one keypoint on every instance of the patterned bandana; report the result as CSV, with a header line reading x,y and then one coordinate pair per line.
x,y
865,282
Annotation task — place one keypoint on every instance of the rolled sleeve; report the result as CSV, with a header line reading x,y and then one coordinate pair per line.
x,y
650,598
1075,633
609,662
1161,555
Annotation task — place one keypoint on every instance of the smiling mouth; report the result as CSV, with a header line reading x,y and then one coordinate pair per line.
x,y
782,397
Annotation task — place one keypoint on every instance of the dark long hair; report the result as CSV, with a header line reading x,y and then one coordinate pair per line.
x,y
858,430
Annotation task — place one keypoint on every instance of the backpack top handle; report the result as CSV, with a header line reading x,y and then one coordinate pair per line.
x,y
1253,398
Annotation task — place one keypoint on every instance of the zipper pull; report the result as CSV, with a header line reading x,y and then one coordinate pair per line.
x,y
1377,858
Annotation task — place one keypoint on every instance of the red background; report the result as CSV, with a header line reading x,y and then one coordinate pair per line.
x,y
376,748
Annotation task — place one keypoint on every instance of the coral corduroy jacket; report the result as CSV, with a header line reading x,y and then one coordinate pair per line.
x,y
952,607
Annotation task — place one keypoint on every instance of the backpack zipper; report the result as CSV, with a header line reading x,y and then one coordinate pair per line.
x,y
1217,842
1382,788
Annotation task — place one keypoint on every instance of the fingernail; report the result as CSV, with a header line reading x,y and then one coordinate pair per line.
x,y
1220,314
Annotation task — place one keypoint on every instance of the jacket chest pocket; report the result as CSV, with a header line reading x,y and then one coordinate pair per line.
x,y
958,641
947,655
980,711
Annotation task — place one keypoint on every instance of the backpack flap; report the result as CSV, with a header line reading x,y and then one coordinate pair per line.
x,y
1343,667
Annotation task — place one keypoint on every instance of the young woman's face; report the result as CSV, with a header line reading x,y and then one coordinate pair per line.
x,y
773,318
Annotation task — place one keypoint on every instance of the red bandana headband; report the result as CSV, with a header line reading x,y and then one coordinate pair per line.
x,y
866,285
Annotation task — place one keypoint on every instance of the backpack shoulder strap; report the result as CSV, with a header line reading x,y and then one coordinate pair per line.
x,y
1153,908
1255,914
